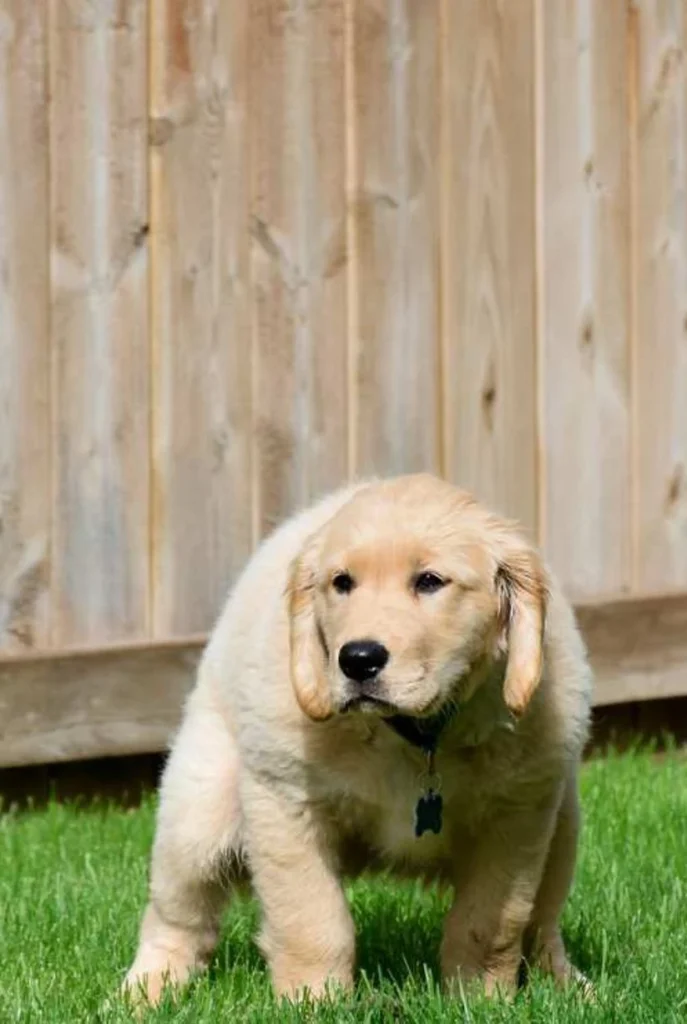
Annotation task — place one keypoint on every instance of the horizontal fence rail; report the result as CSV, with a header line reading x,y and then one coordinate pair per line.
x,y
127,699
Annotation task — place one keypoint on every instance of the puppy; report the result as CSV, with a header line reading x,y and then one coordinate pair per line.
x,y
396,681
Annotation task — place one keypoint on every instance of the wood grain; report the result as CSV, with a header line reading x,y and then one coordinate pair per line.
x,y
24,331
661,361
200,321
489,256
586,350
80,704
397,112
637,647
99,320
128,699
298,252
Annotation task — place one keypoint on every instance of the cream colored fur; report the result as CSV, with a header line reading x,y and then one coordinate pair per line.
x,y
267,778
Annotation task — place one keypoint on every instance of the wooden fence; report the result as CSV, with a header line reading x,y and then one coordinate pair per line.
x,y
249,248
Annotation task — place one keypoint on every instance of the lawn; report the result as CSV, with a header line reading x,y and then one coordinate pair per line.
x,y
72,885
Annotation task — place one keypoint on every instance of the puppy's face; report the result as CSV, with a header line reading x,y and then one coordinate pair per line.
x,y
401,618
404,595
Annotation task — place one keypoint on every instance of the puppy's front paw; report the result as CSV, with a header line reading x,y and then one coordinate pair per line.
x,y
583,985
152,973
473,983
142,989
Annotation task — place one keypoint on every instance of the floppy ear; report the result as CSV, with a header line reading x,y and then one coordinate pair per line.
x,y
522,592
307,650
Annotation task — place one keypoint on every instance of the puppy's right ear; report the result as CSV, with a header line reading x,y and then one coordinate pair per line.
x,y
308,661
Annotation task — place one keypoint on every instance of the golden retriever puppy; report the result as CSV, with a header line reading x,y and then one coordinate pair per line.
x,y
395,681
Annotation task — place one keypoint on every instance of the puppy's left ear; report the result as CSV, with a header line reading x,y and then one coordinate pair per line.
x,y
307,652
522,592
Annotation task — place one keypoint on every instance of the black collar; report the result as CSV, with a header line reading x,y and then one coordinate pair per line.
x,y
423,733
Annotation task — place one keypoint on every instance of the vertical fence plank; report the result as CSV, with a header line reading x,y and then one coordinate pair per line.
x,y
298,251
586,373
99,259
661,360
24,335
489,253
398,103
201,331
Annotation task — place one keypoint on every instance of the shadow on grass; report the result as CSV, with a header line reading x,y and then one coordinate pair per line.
x,y
237,949
398,928
585,954
398,932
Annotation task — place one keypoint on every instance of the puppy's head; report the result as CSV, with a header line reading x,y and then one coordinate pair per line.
x,y
400,601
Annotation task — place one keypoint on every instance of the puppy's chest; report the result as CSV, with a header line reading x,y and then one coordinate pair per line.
x,y
376,803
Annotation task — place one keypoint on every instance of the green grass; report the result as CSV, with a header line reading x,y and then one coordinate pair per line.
x,y
72,885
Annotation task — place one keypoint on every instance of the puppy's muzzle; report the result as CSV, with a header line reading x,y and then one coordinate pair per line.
x,y
362,662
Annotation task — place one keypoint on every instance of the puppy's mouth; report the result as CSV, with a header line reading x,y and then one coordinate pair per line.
x,y
367,703
372,703
376,700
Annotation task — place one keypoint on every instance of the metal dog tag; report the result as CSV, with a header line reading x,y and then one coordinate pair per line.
x,y
428,813
428,809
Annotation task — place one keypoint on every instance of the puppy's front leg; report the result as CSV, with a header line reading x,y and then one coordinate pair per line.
x,y
307,932
495,895
198,830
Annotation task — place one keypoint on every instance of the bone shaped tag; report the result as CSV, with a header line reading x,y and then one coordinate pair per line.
x,y
428,813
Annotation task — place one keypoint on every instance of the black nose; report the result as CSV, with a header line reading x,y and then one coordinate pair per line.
x,y
361,660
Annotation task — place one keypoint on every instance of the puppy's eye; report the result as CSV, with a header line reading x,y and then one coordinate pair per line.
x,y
428,583
343,582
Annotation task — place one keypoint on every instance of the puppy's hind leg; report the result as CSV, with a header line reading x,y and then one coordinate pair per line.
x,y
543,941
198,831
